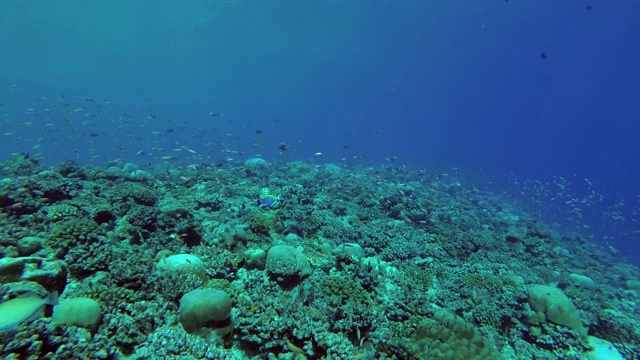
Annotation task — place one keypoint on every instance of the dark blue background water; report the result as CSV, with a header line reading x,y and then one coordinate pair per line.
x,y
516,90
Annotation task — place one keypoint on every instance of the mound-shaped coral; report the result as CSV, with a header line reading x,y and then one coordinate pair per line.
x,y
449,337
202,309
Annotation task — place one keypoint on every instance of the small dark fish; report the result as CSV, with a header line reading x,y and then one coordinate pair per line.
x,y
345,147
588,7
543,55
259,131
169,131
283,146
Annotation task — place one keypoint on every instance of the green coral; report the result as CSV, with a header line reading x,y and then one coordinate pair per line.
x,y
141,194
113,295
448,336
103,289
65,234
20,164
495,284
486,315
266,222
347,290
61,211
421,277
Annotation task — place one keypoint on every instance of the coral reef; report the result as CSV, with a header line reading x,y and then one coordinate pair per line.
x,y
383,262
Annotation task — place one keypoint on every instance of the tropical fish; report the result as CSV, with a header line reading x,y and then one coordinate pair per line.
x,y
268,201
24,309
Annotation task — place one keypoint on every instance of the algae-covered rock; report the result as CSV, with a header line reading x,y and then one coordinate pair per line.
x,y
255,258
181,263
333,169
349,250
601,350
556,307
632,285
255,163
29,245
51,274
206,308
287,263
173,208
582,281
83,312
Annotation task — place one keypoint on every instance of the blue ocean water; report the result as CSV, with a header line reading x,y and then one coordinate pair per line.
x,y
522,92
440,173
